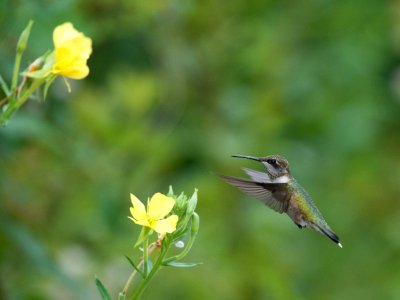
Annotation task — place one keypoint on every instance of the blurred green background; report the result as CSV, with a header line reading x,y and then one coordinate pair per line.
x,y
175,88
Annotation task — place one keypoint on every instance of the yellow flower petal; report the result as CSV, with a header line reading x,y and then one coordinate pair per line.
x,y
167,225
160,206
142,222
72,50
64,32
138,211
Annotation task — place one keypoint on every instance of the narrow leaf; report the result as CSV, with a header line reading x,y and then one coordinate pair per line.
x,y
121,296
4,86
102,290
134,266
181,264
49,81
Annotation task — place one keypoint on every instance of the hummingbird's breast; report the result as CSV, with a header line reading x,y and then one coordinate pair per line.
x,y
302,209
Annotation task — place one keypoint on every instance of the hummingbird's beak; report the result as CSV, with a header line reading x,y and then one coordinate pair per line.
x,y
248,157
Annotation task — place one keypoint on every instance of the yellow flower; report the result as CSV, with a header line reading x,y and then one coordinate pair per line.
x,y
157,208
72,50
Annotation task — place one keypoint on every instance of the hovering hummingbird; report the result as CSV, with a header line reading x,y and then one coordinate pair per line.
x,y
280,191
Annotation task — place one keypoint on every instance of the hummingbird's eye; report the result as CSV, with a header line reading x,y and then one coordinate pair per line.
x,y
271,161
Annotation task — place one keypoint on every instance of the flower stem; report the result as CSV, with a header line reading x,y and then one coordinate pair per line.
x,y
145,256
16,70
140,263
138,293
193,234
128,283
29,92
14,105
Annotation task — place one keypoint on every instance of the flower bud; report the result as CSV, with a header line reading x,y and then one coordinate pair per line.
x,y
23,38
191,206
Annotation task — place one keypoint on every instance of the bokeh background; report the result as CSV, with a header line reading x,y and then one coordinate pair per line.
x,y
175,88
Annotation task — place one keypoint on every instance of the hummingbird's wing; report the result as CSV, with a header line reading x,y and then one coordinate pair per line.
x,y
257,175
264,177
275,195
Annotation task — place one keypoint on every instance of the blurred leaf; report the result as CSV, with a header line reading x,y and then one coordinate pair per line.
x,y
49,81
4,86
102,290
181,264
134,266
36,74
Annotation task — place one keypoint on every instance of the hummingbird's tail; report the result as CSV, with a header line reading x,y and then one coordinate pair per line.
x,y
330,234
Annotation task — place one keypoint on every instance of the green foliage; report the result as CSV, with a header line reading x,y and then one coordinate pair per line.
x,y
176,88
134,266
102,290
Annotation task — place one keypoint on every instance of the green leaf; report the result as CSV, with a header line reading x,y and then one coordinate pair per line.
x,y
49,59
102,290
41,66
134,266
121,296
39,74
49,81
4,86
192,203
181,264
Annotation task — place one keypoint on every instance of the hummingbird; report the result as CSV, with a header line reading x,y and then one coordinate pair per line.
x,y
278,189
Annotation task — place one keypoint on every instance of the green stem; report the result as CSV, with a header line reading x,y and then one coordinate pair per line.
x,y
195,219
145,256
14,105
148,278
128,283
16,71
29,92
183,253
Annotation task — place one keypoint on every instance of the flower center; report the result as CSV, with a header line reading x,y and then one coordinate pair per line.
x,y
152,220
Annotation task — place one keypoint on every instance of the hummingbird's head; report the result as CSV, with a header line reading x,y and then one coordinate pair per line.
x,y
276,165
